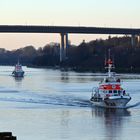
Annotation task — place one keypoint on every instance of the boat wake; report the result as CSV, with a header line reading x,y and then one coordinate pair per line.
x,y
40,99
30,99
134,105
125,107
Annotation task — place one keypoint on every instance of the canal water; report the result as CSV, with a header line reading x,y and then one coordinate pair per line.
x,y
54,105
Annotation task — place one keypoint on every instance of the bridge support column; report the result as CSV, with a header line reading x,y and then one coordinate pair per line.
x,y
67,41
63,46
138,39
133,40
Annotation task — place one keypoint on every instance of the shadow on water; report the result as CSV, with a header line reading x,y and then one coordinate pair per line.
x,y
18,79
113,120
65,77
109,113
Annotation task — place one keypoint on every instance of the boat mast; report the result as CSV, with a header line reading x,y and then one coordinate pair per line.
x,y
18,62
109,62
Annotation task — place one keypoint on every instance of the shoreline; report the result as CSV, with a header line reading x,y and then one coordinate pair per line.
x,y
92,70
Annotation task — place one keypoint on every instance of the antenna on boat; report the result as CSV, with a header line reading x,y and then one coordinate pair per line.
x,y
109,54
18,61
109,63
105,61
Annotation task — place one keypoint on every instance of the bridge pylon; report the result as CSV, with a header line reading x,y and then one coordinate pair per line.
x,y
138,39
63,46
133,40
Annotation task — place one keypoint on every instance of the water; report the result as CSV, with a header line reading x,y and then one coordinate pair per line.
x,y
54,105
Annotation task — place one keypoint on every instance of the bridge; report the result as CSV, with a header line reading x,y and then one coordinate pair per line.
x,y
65,30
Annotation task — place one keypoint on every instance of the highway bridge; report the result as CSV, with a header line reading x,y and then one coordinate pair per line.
x,y
65,30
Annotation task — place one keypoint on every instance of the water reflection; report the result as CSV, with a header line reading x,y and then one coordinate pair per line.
x,y
113,119
65,118
18,80
65,77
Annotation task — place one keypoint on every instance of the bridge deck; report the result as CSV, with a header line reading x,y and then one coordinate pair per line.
x,y
66,29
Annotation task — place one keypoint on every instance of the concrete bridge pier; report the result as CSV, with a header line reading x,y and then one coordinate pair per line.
x,y
63,46
67,41
133,40
138,39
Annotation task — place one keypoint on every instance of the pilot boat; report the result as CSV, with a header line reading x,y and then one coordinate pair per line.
x,y
110,94
18,72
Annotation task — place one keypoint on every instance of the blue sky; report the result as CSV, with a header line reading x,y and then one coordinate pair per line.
x,y
105,13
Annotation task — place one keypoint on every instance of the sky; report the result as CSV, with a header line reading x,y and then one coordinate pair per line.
x,y
96,13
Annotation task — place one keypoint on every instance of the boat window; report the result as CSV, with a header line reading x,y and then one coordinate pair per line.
x,y
106,80
105,91
115,91
119,91
118,80
101,91
110,91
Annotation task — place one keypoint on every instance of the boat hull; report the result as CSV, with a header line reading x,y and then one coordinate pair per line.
x,y
18,74
111,103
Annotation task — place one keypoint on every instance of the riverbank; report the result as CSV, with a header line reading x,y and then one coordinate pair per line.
x,y
88,69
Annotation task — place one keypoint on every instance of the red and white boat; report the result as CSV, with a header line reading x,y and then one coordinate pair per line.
x,y
110,94
18,72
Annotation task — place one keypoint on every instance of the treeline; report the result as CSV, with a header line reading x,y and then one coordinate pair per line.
x,y
86,56
43,56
